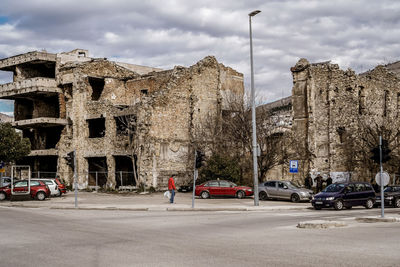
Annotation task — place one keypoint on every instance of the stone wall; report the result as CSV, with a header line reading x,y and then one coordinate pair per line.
x,y
327,104
167,106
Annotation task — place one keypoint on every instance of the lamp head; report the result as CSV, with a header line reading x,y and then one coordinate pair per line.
x,y
255,12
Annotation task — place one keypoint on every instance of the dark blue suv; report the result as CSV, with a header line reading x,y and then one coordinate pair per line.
x,y
340,195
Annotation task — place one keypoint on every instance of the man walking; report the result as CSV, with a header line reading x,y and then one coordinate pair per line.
x,y
318,181
171,188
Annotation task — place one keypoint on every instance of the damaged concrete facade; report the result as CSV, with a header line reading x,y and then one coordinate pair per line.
x,y
129,124
327,105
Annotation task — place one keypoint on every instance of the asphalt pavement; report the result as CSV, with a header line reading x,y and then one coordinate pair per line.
x,y
68,237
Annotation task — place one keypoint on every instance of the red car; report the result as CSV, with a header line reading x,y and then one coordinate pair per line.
x,y
222,188
39,189
61,186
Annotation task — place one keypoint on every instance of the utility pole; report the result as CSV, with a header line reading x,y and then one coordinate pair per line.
x,y
380,178
253,115
75,181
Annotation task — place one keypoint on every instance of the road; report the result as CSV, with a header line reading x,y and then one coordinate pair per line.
x,y
45,237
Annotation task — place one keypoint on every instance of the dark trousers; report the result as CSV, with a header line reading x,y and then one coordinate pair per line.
x,y
171,200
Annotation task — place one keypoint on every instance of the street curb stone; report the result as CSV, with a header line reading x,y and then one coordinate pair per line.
x,y
377,219
320,224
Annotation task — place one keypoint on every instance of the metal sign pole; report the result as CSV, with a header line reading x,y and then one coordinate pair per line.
x,y
75,181
194,177
380,178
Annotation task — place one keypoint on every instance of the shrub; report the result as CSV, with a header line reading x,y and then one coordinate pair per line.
x,y
220,167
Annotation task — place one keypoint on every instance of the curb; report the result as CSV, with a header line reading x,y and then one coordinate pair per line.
x,y
319,224
206,209
377,219
158,208
94,208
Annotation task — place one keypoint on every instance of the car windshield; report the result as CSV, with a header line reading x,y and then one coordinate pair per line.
x,y
334,188
392,189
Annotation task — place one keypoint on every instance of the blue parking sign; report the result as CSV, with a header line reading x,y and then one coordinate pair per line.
x,y
294,166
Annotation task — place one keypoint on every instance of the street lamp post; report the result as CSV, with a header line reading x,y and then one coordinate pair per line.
x,y
253,115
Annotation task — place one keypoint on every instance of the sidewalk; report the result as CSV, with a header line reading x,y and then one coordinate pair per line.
x,y
152,202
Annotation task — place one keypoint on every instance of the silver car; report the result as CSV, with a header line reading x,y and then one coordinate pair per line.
x,y
283,190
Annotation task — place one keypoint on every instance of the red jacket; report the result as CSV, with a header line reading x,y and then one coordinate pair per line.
x,y
171,184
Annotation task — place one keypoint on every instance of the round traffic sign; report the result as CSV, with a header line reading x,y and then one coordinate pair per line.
x,y
385,178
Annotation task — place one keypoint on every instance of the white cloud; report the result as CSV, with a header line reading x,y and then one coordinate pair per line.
x,y
164,33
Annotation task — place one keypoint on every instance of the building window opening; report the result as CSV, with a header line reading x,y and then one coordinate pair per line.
x,y
43,138
341,132
97,127
125,125
98,171
385,100
67,89
398,104
23,109
124,173
34,70
361,100
41,166
97,85
144,91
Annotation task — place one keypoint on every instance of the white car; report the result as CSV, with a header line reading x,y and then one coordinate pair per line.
x,y
5,181
54,191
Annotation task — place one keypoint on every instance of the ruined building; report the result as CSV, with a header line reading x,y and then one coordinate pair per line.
x,y
331,111
129,124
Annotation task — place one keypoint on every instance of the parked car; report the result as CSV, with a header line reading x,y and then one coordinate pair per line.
x,y
391,195
222,188
61,186
51,183
340,195
38,189
185,188
283,190
5,181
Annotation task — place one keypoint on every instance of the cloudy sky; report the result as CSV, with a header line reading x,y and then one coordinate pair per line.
x,y
163,33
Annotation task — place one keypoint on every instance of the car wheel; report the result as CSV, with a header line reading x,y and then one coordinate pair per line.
x,y
205,194
397,203
240,194
369,204
40,196
3,196
263,195
338,204
295,198
317,207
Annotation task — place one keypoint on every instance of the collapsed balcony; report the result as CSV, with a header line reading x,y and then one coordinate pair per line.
x,y
42,61
39,87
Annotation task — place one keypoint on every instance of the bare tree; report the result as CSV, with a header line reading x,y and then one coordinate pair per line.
x,y
229,132
127,126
